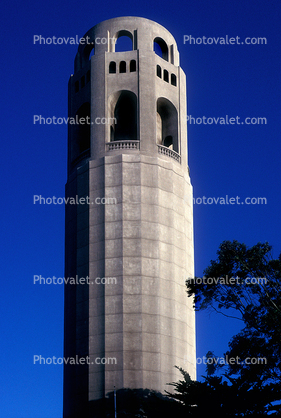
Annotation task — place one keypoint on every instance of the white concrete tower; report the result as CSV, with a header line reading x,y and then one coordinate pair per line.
x,y
136,155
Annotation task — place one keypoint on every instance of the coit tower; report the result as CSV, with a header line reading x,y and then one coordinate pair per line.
x,y
129,235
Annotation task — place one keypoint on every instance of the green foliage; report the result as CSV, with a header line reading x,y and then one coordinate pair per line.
x,y
254,294
258,305
237,399
141,403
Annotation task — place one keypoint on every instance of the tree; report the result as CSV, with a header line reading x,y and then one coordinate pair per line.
x,y
140,403
223,400
246,281
255,294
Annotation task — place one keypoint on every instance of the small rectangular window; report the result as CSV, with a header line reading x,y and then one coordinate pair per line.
x,y
122,67
173,79
133,66
112,67
159,71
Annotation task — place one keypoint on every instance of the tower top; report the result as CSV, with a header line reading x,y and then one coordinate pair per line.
x,y
133,96
142,32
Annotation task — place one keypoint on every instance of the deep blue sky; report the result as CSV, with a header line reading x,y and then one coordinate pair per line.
x,y
233,160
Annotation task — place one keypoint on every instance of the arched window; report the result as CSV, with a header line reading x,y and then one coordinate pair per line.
x,y
89,51
122,67
112,133
84,127
82,131
133,66
167,124
173,79
92,53
166,76
112,67
160,48
124,41
168,141
158,71
76,86
125,114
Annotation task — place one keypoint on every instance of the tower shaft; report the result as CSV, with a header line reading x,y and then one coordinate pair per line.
x,y
133,235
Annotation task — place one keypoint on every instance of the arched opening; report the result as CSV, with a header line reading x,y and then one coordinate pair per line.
x,y
133,66
173,79
89,51
166,76
82,131
168,141
84,128
167,124
112,67
157,49
122,67
124,41
88,76
111,133
82,81
125,117
160,48
92,53
76,86
158,71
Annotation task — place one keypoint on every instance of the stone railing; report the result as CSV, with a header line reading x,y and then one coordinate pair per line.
x,y
135,145
171,153
116,145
